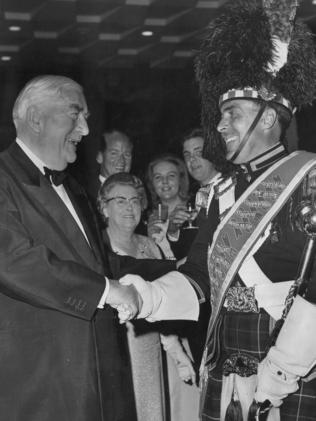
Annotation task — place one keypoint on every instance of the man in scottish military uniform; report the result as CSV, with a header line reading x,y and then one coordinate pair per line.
x,y
255,67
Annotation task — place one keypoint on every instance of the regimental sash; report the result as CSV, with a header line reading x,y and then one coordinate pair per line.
x,y
244,223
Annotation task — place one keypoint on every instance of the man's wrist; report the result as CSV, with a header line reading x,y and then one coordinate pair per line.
x,y
113,292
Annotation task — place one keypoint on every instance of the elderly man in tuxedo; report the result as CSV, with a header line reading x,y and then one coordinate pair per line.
x,y
62,350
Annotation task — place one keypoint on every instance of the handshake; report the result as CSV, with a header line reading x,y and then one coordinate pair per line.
x,y
131,296
170,297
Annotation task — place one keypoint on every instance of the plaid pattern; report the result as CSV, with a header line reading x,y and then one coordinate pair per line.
x,y
249,333
245,333
211,409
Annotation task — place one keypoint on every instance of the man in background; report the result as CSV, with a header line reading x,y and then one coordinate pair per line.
x,y
115,155
202,171
200,168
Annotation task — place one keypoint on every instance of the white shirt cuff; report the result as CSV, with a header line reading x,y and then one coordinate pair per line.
x,y
105,293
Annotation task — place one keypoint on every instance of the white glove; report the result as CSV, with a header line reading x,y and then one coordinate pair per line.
x,y
292,357
274,383
174,348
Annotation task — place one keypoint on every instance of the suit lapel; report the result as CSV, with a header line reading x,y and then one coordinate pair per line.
x,y
86,215
52,208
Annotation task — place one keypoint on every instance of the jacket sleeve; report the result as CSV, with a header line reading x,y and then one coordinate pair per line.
x,y
35,274
195,268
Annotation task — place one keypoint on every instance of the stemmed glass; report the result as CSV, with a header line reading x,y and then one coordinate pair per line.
x,y
192,215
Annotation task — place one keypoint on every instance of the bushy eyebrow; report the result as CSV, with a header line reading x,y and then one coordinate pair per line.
x,y
79,109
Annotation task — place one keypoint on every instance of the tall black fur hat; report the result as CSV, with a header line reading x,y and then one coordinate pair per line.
x,y
255,50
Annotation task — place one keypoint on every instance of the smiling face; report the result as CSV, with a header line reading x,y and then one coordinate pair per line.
x,y
117,156
236,117
166,180
123,214
199,168
61,126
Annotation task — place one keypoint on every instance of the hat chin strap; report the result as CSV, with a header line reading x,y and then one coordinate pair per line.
x,y
249,131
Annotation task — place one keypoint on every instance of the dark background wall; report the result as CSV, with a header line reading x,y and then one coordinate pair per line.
x,y
155,107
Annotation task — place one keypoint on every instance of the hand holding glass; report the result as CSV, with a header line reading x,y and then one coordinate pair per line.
x,y
158,216
162,212
192,215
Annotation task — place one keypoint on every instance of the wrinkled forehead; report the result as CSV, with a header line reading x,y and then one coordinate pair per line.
x,y
123,190
74,97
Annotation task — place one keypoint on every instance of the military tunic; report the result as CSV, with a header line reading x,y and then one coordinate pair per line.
x,y
243,337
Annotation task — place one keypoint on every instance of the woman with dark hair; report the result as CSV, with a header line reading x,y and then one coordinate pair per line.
x,y
120,203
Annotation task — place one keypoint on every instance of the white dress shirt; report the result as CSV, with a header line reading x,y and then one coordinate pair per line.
x,y
60,190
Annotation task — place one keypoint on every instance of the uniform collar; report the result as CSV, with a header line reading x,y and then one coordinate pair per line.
x,y
263,161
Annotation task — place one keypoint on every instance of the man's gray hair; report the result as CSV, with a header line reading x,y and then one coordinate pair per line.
x,y
39,90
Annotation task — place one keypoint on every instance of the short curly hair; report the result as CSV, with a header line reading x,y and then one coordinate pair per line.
x,y
122,179
183,176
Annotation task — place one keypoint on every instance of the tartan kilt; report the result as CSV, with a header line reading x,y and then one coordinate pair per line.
x,y
248,333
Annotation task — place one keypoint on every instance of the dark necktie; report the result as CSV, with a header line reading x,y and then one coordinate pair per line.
x,y
54,176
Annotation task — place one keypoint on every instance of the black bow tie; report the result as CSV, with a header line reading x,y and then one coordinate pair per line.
x,y
54,176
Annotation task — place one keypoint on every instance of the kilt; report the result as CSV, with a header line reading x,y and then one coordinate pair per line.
x,y
248,333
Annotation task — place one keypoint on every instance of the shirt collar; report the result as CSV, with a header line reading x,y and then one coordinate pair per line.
x,y
35,159
102,178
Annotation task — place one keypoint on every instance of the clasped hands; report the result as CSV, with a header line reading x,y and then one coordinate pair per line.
x,y
131,297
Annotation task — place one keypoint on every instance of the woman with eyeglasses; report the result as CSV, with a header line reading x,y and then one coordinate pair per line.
x,y
120,203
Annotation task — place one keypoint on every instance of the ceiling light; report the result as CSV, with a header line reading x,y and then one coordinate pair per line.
x,y
314,2
5,58
14,28
147,33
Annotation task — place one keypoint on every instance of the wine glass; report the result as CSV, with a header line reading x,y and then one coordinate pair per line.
x,y
192,215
